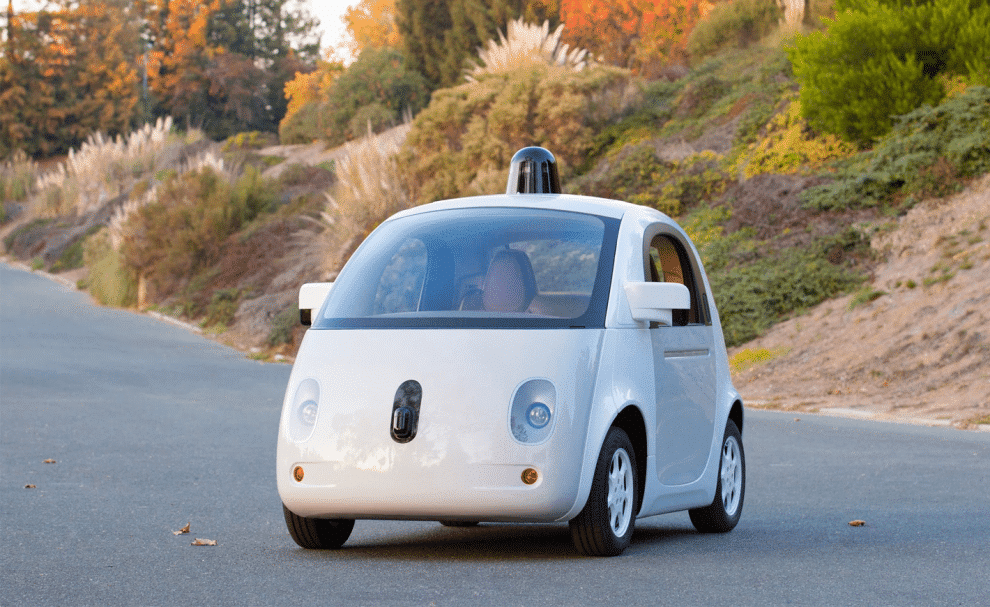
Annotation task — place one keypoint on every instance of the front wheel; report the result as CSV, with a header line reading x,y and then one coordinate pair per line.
x,y
605,526
317,533
723,513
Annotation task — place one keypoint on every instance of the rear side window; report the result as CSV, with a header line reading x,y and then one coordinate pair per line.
x,y
669,261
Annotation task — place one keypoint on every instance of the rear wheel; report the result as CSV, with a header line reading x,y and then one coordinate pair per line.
x,y
317,533
723,513
605,526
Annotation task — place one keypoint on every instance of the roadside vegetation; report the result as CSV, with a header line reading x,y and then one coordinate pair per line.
x,y
734,118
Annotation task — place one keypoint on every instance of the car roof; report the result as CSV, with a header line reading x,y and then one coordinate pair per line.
x,y
561,202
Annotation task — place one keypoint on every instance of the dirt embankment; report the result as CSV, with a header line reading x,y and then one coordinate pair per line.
x,y
914,344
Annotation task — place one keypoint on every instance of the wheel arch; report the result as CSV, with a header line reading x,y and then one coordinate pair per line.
x,y
631,421
736,414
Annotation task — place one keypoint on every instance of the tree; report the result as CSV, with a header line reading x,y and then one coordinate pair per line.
x,y
68,72
440,36
222,65
642,35
372,25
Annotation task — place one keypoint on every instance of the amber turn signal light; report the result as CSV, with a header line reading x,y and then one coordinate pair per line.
x,y
530,476
297,473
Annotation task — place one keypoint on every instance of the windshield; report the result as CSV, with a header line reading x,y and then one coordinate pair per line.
x,y
478,267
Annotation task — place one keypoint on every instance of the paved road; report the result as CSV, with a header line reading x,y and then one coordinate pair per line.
x,y
153,427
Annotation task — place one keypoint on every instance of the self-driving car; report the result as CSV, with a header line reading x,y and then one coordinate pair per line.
x,y
531,357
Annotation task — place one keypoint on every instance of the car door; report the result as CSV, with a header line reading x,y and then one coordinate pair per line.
x,y
684,369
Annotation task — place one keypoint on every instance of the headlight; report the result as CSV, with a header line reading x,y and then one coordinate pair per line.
x,y
538,415
531,411
304,411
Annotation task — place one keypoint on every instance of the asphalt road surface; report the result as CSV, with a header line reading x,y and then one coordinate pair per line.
x,y
152,427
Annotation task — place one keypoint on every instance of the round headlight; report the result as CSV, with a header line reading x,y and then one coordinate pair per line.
x,y
308,411
538,415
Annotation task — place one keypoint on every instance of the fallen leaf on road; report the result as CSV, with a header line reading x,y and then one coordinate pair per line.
x,y
49,461
857,523
183,530
29,486
200,542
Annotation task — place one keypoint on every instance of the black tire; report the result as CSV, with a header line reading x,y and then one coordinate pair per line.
x,y
603,528
459,523
723,513
318,533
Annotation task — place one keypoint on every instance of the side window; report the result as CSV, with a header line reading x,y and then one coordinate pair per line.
x,y
669,262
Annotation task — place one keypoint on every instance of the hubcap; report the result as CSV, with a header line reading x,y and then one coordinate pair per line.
x,y
620,492
731,476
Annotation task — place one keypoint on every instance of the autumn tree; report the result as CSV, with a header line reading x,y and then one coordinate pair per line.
x,y
643,35
68,72
222,65
372,25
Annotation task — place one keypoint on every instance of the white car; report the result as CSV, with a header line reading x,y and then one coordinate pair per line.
x,y
530,357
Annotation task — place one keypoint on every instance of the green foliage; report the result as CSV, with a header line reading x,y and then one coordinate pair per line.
x,y
638,175
738,23
110,281
72,257
462,143
754,296
283,327
251,140
302,126
377,87
864,296
884,59
788,146
181,233
926,154
223,305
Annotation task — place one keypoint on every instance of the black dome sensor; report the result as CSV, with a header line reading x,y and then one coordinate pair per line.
x,y
533,171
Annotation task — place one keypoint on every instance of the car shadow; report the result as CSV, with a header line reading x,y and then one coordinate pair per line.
x,y
485,542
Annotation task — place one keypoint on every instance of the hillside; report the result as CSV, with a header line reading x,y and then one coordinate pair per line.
x,y
221,234
912,344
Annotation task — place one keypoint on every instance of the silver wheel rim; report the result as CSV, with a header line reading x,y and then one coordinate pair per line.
x,y
731,476
620,492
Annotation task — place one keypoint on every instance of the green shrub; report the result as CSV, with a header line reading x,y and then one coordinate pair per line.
x,y
882,60
754,295
926,154
283,327
223,305
110,281
377,86
738,23
463,142
303,126
173,238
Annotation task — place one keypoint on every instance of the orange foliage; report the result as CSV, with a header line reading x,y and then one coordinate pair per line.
x,y
313,87
176,65
372,25
644,35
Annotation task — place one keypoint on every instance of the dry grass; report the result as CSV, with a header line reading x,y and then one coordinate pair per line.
x,y
118,226
524,44
370,188
103,168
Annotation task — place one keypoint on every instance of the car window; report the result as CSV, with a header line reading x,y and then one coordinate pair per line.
x,y
401,282
669,262
479,267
